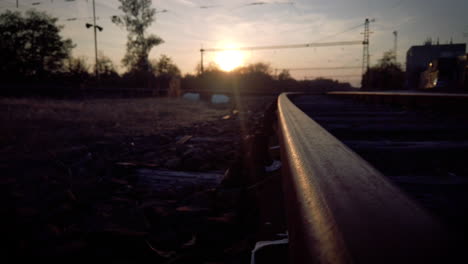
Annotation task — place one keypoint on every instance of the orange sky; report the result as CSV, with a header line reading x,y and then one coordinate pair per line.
x,y
189,25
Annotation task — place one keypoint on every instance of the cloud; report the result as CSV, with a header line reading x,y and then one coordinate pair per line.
x,y
187,3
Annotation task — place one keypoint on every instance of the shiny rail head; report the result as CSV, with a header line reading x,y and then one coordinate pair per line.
x,y
342,210
403,94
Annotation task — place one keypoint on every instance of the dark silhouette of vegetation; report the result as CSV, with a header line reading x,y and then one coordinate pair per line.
x,y
138,16
37,61
31,47
284,75
386,75
78,73
77,70
106,67
258,68
165,67
257,78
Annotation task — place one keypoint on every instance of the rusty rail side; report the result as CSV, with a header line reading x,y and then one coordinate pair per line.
x,y
342,210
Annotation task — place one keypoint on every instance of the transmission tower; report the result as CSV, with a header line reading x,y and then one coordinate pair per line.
x,y
365,44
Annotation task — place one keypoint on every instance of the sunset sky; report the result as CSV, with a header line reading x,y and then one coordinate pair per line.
x,y
189,25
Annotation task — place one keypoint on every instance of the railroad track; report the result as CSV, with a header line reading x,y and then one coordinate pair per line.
x,y
369,182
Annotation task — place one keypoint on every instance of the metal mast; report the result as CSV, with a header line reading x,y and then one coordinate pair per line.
x,y
395,34
365,51
95,41
201,60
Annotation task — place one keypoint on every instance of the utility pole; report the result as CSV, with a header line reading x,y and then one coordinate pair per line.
x,y
17,3
201,60
95,28
395,34
365,51
95,41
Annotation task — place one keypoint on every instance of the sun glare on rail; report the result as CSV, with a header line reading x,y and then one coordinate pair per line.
x,y
229,59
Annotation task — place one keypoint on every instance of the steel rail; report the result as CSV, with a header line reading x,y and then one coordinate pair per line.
x,y
440,101
404,94
342,210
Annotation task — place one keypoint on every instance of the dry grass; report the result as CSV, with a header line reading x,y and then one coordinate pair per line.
x,y
48,122
65,195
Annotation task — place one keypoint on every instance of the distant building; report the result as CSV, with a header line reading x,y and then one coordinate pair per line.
x,y
445,74
463,68
419,57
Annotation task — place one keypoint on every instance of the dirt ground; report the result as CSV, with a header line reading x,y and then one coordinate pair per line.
x,y
74,179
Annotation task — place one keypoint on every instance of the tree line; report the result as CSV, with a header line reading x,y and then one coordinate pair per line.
x,y
387,74
258,78
36,59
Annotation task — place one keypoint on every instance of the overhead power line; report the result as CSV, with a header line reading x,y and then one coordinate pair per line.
x,y
78,18
325,37
331,76
342,32
292,46
208,6
321,68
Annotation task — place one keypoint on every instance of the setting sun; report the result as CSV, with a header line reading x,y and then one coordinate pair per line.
x,y
229,59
